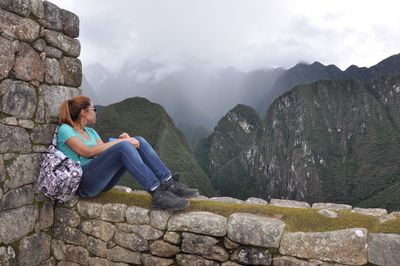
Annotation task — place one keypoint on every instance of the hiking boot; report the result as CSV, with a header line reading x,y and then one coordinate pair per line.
x,y
179,189
165,200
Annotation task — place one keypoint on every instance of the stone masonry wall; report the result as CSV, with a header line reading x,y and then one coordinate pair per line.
x,y
38,69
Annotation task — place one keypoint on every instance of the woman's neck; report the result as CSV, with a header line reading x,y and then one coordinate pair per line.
x,y
79,126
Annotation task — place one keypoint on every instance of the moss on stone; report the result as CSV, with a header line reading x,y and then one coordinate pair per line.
x,y
304,220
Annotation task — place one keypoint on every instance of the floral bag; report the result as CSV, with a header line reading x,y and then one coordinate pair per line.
x,y
59,176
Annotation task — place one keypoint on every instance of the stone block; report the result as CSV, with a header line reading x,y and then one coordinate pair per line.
x,y
132,241
149,260
348,246
39,148
137,215
383,249
199,222
52,16
57,249
71,47
145,230
255,230
28,124
193,260
77,254
39,45
17,27
328,213
18,197
11,121
53,52
43,134
99,229
70,23
204,246
71,69
67,217
46,215
173,238
17,223
163,249
19,98
159,219
113,212
6,57
97,247
14,139
69,235
252,256
24,170
52,71
34,249
226,199
370,211
252,200
20,7
93,261
123,255
229,244
289,203
28,65
37,8
89,210
331,206
53,96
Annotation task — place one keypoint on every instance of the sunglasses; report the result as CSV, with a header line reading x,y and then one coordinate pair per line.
x,y
92,108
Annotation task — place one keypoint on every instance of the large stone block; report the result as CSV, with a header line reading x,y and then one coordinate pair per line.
x,y
77,254
71,47
53,96
113,212
34,249
199,222
255,230
204,246
70,23
252,256
89,210
52,71
159,219
133,241
17,27
145,230
24,7
52,16
149,260
163,249
19,98
70,235
28,65
347,246
46,215
7,57
137,215
43,134
17,223
99,229
193,260
67,217
123,255
14,139
23,170
71,69
383,249
97,247
18,197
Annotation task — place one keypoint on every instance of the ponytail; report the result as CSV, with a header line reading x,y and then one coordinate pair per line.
x,y
70,109
65,116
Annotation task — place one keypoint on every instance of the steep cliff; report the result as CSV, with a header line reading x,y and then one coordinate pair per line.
x,y
332,141
220,153
138,116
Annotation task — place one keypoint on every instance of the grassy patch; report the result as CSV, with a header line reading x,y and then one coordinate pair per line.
x,y
304,220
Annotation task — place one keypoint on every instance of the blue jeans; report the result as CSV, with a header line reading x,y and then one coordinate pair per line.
x,y
104,172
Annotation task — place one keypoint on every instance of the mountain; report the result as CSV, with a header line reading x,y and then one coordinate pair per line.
x,y
303,74
87,90
333,141
220,154
138,116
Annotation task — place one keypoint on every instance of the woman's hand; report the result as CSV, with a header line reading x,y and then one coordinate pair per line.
x,y
135,142
124,136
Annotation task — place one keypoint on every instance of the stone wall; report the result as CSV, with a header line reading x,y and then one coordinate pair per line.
x,y
90,233
38,69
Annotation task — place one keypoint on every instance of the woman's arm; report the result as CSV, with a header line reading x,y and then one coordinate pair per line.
x,y
82,149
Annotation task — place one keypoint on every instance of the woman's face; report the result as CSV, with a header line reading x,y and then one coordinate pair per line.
x,y
90,114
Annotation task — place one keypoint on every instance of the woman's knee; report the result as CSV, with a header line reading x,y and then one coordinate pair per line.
x,y
124,145
141,139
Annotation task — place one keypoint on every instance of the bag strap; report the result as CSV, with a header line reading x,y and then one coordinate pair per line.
x,y
54,142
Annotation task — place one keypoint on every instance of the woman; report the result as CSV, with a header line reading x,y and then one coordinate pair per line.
x,y
103,164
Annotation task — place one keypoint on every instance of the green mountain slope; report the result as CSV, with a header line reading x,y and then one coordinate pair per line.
x,y
140,117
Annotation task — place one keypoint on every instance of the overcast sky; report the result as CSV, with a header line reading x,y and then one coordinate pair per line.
x,y
245,34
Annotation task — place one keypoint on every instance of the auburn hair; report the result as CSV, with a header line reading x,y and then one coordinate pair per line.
x,y
70,109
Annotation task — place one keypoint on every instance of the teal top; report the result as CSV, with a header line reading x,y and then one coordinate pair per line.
x,y
65,132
